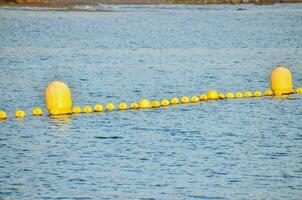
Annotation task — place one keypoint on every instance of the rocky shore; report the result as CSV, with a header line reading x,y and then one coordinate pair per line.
x,y
61,3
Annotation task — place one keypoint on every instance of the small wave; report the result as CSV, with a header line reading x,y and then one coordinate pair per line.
x,y
108,137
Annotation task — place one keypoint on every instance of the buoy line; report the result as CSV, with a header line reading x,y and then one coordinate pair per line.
x,y
58,97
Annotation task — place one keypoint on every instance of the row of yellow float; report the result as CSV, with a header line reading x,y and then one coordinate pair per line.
x,y
58,97
146,104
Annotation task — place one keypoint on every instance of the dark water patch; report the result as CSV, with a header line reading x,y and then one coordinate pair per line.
x,y
205,197
108,137
77,180
148,198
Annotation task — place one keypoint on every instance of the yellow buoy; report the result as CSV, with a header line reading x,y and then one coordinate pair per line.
x,y
229,95
174,101
278,93
37,112
203,97
268,93
247,94
145,104
123,106
194,99
110,106
299,90
87,109
58,98
257,93
221,96
281,80
184,99
134,105
20,114
212,94
239,95
165,102
76,110
155,104
98,108
3,115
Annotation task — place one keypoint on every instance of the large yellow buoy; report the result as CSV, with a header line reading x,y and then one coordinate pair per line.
x,y
20,114
155,104
37,112
145,104
58,98
212,94
3,115
281,80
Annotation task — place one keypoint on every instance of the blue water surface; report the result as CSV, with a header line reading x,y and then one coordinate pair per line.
x,y
228,149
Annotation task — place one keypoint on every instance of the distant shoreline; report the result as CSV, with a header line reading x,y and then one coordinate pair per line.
x,y
74,3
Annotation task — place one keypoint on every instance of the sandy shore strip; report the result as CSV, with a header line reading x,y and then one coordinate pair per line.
x,y
75,4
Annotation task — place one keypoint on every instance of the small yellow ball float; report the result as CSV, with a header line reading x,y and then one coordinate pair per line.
x,y
268,93
165,102
134,106
194,99
3,115
184,99
248,94
203,97
299,90
98,108
123,106
155,104
257,94
278,93
20,114
145,104
221,96
76,110
58,98
110,106
229,95
238,95
87,109
37,112
174,101
212,95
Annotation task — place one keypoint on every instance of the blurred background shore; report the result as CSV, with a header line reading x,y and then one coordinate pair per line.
x,y
63,3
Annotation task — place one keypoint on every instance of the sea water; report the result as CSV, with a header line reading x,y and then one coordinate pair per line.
x,y
228,149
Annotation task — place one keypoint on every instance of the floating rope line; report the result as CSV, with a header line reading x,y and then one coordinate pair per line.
x,y
59,102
